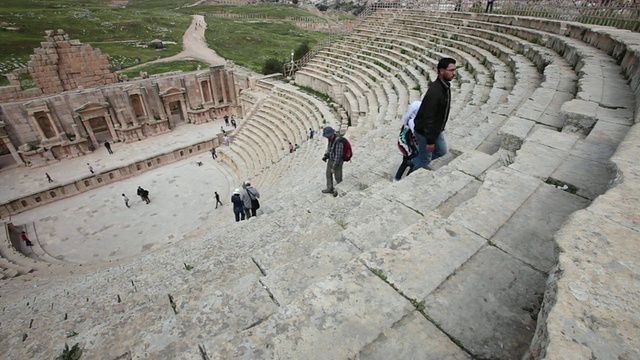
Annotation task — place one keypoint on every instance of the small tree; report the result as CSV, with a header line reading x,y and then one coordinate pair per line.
x,y
272,66
301,51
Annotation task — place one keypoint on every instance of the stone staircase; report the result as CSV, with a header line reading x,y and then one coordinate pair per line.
x,y
450,263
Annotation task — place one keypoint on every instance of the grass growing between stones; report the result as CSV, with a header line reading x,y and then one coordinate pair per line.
x,y
70,354
159,68
420,307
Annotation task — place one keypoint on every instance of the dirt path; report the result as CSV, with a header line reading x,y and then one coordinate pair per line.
x,y
194,46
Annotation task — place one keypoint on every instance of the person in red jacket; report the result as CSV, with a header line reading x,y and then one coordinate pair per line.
x,y
24,237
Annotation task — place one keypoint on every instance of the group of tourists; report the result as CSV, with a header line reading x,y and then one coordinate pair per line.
x,y
245,202
143,193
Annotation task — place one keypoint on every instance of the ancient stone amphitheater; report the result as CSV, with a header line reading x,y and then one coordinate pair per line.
x,y
521,243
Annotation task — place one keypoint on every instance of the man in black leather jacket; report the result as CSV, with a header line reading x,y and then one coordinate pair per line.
x,y
433,114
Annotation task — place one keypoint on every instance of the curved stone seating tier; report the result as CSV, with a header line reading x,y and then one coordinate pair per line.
x,y
279,120
379,272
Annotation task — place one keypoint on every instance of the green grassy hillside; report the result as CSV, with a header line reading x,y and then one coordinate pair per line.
x,y
124,32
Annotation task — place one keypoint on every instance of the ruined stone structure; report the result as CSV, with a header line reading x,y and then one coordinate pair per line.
x,y
522,241
86,106
62,64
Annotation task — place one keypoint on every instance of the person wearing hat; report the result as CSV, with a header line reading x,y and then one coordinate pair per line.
x,y
238,205
333,158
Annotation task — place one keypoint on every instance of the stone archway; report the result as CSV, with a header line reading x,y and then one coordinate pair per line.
x,y
174,105
97,121
100,129
45,124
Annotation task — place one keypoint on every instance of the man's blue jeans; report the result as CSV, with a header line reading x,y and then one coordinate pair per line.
x,y
424,157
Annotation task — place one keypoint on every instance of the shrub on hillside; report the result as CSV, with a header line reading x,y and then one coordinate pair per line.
x,y
272,66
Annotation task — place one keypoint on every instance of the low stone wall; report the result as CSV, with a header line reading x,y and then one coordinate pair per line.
x,y
105,177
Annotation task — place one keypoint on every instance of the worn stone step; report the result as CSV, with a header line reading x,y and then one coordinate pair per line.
x,y
340,315
528,234
424,190
489,304
419,258
376,220
502,193
413,337
288,281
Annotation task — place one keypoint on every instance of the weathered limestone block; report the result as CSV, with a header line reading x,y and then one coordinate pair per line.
x,y
340,314
413,337
502,193
513,132
489,304
435,246
579,115
590,307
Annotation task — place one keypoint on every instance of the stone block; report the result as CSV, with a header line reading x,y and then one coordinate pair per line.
x,y
413,337
538,160
579,114
422,256
607,133
528,234
489,305
590,177
513,132
340,315
620,116
502,193
591,304
376,220
557,140
473,163
425,190
287,282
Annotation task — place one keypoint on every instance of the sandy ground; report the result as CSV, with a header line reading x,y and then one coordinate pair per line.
x,y
97,226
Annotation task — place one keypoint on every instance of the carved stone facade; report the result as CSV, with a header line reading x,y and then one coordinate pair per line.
x,y
84,105
73,123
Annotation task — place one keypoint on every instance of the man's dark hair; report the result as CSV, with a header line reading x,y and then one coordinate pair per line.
x,y
444,63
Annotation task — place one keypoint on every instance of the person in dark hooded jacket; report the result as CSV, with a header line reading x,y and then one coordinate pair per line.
x,y
238,205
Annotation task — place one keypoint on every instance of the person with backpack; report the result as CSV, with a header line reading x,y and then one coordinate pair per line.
x,y
407,143
250,197
338,151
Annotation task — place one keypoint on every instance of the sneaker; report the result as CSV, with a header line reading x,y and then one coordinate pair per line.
x,y
327,191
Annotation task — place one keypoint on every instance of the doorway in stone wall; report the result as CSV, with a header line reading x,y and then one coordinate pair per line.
x,y
100,129
138,107
45,124
176,114
6,159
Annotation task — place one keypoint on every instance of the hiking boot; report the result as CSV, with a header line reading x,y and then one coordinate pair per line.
x,y
327,191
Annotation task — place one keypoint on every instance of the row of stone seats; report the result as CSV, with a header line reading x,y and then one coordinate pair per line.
x,y
585,161
536,54
15,263
542,57
411,42
342,305
284,116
